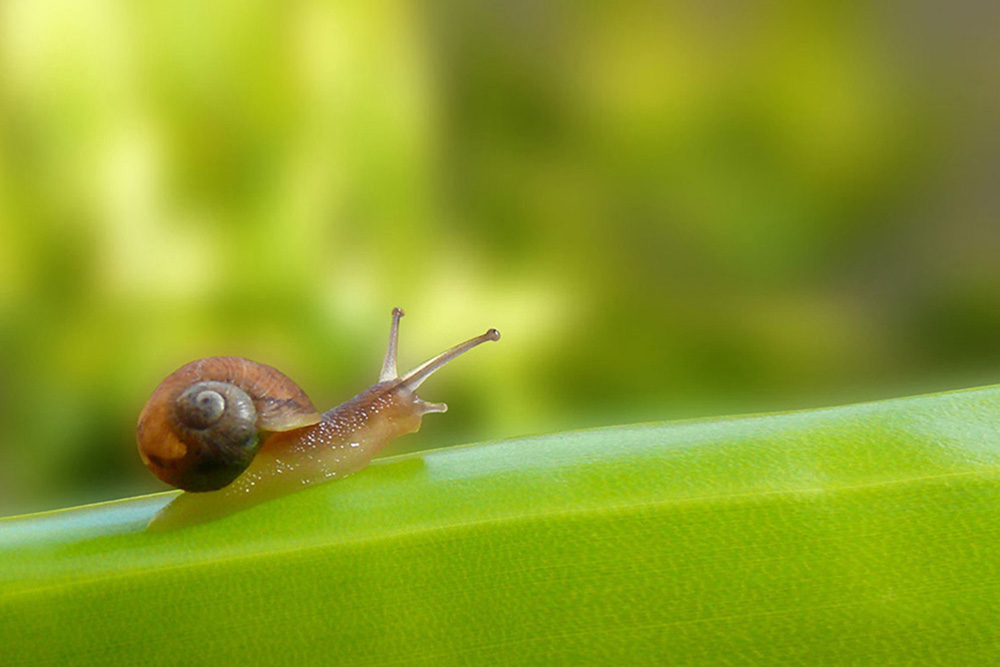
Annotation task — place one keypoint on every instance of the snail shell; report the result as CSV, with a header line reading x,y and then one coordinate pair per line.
x,y
205,422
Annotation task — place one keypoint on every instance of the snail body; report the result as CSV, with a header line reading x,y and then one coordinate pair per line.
x,y
233,432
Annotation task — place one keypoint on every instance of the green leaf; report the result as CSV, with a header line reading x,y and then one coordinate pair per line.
x,y
859,535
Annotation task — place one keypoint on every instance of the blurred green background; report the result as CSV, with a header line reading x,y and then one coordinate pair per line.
x,y
669,209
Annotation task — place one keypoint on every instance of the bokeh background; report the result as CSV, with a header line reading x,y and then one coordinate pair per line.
x,y
670,210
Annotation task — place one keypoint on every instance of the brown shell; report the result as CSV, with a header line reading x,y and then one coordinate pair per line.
x,y
281,406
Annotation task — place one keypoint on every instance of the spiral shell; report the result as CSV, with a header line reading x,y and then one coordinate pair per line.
x,y
203,425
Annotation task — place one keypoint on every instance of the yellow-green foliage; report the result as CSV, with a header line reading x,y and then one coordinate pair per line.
x,y
670,209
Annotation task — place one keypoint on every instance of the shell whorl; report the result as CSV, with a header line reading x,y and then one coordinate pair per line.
x,y
202,426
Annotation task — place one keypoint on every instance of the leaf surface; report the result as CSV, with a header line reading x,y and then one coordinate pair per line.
x,y
857,535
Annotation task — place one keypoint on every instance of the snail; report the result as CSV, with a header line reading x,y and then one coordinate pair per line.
x,y
233,432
